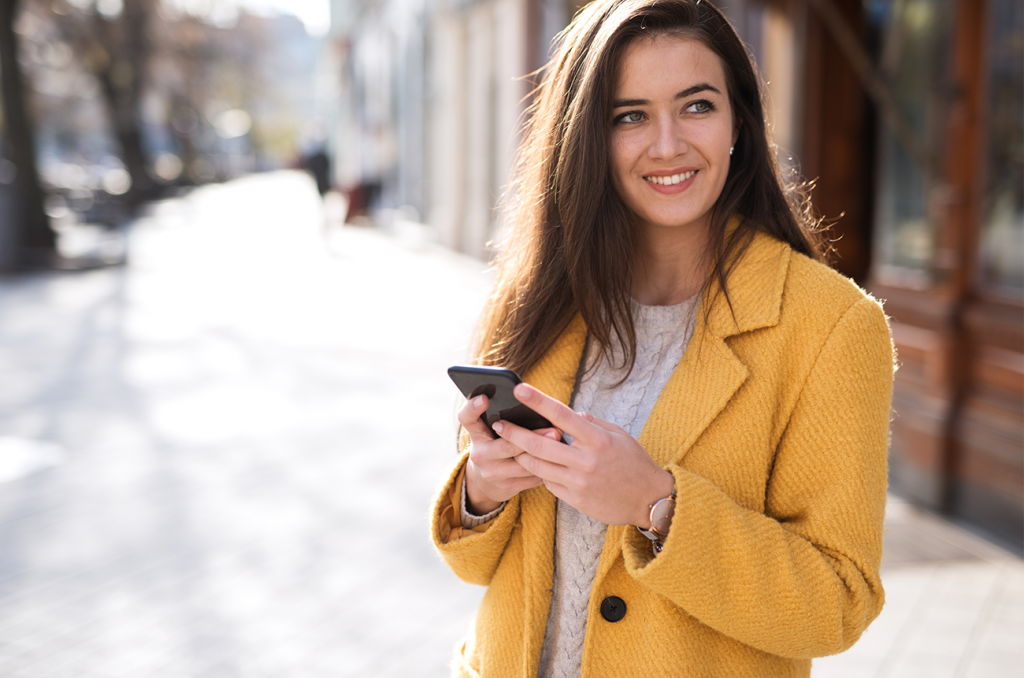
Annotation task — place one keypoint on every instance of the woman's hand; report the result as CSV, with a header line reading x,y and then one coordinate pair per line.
x,y
492,474
605,473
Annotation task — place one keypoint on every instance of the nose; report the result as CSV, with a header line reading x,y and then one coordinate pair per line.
x,y
669,141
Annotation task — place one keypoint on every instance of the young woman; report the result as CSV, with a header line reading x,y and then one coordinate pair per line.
x,y
715,507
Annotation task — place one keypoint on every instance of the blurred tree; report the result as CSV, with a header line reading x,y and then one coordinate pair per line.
x,y
191,69
177,97
208,73
186,54
34,238
112,40
121,73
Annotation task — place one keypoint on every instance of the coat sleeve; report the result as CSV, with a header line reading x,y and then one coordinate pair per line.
x,y
801,579
472,554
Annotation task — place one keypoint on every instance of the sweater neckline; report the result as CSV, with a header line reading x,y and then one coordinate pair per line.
x,y
661,317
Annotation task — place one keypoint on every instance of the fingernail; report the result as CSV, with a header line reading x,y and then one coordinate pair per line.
x,y
552,434
497,426
523,392
478,401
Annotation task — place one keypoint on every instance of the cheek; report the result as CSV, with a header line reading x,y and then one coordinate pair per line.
x,y
715,138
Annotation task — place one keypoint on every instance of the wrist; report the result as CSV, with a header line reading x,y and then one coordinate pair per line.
x,y
662,487
659,518
477,503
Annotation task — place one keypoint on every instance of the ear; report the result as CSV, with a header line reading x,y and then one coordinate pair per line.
x,y
736,131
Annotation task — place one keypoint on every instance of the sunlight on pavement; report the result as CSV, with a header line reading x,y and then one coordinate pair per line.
x,y
20,457
218,460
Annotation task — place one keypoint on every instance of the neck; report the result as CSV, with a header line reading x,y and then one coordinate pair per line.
x,y
671,266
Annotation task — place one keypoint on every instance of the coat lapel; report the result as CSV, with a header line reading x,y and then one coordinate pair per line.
x,y
706,379
554,374
710,372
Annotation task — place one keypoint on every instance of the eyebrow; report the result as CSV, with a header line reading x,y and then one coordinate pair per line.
x,y
689,91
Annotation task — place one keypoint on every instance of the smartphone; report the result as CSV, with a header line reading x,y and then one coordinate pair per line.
x,y
496,383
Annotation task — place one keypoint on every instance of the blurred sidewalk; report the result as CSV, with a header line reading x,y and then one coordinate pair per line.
x,y
217,461
954,606
241,432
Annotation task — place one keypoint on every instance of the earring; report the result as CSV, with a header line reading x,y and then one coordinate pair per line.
x,y
731,149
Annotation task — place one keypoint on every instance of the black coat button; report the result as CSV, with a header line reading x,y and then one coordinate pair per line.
x,y
613,608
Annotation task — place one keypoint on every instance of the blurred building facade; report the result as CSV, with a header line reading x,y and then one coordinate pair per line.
x,y
908,114
429,97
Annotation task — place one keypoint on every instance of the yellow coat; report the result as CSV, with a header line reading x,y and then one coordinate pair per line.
x,y
775,425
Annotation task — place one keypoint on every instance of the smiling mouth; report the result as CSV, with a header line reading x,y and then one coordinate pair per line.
x,y
672,180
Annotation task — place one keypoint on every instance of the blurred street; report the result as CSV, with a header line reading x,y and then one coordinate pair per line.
x,y
218,460
243,432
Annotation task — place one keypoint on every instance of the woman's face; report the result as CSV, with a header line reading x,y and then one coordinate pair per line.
x,y
671,132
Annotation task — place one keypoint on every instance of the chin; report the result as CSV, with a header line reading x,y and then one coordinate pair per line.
x,y
674,220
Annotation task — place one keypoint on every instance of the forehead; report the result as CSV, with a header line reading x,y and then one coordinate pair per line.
x,y
667,61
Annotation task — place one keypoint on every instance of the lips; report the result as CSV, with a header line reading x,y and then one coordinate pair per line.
x,y
671,180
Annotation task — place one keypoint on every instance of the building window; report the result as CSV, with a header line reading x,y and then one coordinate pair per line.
x,y
1002,234
915,64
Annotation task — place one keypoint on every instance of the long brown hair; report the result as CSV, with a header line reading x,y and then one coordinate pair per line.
x,y
571,241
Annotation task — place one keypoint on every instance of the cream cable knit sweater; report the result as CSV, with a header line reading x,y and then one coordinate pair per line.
x,y
663,333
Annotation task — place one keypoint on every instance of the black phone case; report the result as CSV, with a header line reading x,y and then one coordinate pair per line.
x,y
496,383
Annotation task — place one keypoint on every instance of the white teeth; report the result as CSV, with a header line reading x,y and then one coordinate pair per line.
x,y
672,180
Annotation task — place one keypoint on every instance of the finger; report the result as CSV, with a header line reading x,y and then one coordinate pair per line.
x,y
526,483
470,418
547,448
552,433
601,423
548,471
505,469
557,413
491,451
559,490
544,457
497,482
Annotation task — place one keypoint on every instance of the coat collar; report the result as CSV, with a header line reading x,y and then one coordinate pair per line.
x,y
710,372
755,288
756,285
707,377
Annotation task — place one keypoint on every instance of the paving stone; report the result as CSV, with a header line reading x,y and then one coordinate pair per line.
x,y
1012,667
247,424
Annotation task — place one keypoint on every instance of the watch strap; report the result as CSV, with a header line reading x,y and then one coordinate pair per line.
x,y
662,512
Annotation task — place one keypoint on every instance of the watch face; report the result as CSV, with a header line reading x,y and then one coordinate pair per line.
x,y
661,516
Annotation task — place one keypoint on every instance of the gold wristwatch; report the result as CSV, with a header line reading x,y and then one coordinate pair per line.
x,y
661,519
